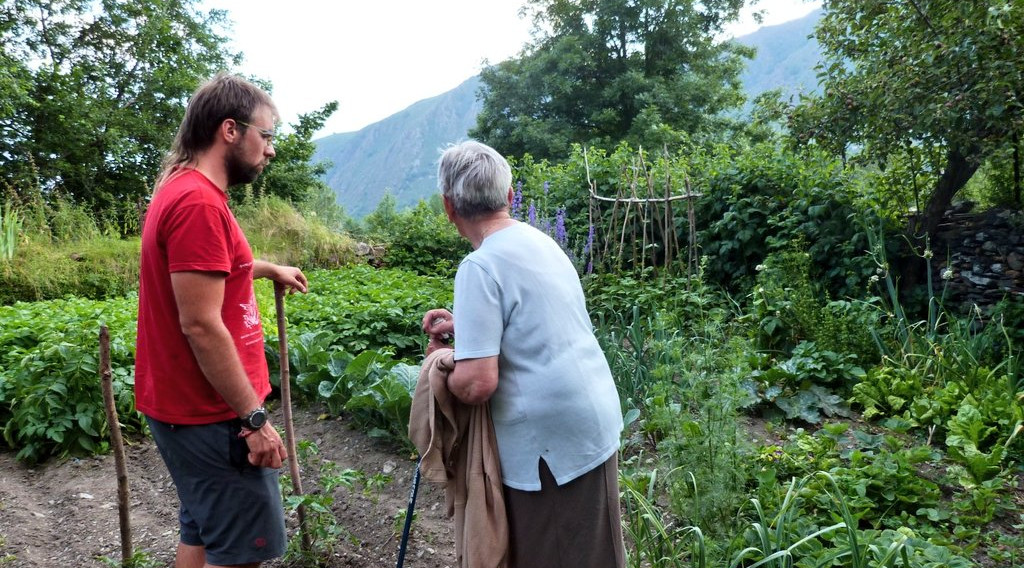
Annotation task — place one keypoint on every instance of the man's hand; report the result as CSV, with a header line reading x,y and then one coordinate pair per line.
x,y
288,276
266,448
440,326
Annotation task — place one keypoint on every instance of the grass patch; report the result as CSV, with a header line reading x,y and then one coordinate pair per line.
x,y
277,232
68,256
96,268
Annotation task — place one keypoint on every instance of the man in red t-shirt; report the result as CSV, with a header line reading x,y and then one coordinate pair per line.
x,y
200,371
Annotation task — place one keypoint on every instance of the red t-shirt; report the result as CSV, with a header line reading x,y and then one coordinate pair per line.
x,y
188,227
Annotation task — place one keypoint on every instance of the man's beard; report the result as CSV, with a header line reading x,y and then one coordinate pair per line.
x,y
239,171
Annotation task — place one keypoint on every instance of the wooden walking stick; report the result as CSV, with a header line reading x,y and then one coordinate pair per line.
x,y
118,445
286,402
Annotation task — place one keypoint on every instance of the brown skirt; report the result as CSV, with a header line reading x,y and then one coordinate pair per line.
x,y
576,525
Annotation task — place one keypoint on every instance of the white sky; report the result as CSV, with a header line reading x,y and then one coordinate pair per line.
x,y
377,57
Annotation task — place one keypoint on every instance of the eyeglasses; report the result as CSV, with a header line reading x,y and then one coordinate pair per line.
x,y
266,134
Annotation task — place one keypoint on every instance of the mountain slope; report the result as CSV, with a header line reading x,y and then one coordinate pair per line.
x,y
399,154
786,57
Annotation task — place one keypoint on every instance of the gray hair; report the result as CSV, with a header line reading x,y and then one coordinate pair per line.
x,y
475,178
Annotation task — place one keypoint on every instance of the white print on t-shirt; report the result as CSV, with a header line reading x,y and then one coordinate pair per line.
x,y
252,337
251,315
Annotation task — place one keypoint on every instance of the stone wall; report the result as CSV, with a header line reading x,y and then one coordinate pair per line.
x,y
980,256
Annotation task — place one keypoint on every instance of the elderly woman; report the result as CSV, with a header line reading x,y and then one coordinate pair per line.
x,y
525,343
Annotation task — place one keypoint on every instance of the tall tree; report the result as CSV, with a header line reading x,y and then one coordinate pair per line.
x,y
903,76
104,86
292,174
603,71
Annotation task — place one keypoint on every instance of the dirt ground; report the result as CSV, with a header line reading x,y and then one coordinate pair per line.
x,y
64,512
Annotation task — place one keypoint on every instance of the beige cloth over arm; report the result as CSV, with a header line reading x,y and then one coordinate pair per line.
x,y
458,448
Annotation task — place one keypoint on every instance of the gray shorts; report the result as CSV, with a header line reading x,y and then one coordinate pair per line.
x,y
228,506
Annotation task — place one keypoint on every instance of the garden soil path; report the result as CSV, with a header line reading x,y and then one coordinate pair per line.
x,y
64,512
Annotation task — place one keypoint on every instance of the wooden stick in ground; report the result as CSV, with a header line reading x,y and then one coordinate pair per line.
x,y
286,403
117,443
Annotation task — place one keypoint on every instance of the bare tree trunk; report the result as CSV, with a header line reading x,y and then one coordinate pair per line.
x,y
958,171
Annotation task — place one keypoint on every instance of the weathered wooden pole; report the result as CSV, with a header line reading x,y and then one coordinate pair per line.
x,y
117,443
286,403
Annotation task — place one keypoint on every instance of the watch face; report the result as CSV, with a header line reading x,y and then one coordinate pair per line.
x,y
257,418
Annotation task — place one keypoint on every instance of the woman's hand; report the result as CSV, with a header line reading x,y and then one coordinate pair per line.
x,y
439,324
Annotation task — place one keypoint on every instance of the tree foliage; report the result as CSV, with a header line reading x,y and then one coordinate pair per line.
x,y
919,76
97,89
292,175
605,71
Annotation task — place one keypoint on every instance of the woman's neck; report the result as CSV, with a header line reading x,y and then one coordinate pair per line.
x,y
479,229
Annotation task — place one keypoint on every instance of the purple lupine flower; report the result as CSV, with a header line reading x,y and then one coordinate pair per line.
x,y
547,184
531,215
560,234
517,200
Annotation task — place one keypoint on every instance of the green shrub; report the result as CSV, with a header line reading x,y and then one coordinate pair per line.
x,y
419,240
680,300
766,200
66,255
59,221
1005,331
787,307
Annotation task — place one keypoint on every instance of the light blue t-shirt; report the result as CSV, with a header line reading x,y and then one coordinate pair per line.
x,y
519,297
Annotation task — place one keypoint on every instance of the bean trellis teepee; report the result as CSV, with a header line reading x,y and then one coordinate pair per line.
x,y
641,225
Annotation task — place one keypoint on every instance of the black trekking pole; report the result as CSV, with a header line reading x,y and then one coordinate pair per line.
x,y
408,515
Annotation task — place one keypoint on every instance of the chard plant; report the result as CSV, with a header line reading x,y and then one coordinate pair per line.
x,y
381,400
